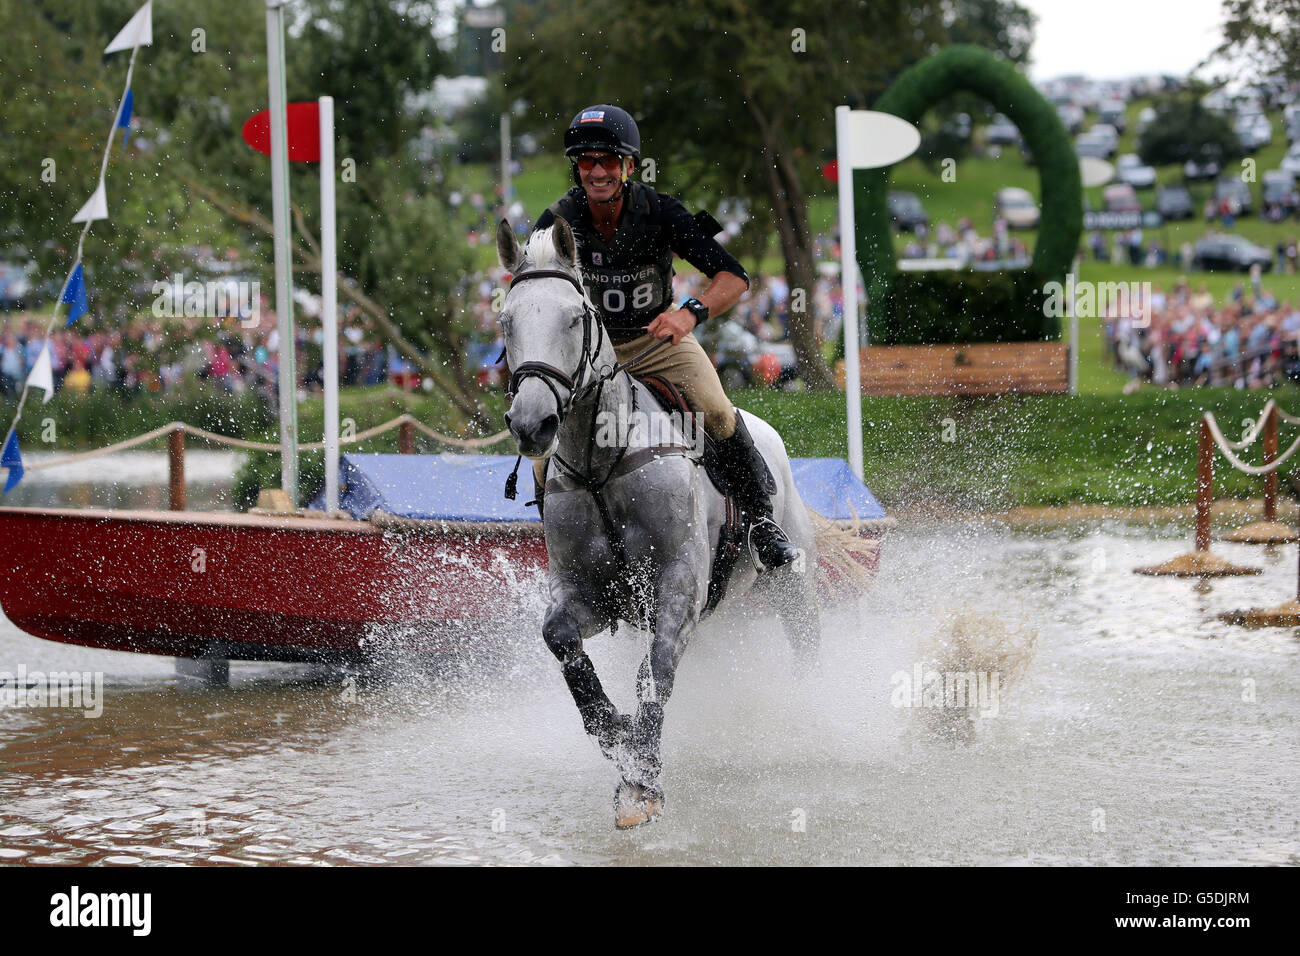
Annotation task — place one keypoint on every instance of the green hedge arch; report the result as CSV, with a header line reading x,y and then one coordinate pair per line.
x,y
970,68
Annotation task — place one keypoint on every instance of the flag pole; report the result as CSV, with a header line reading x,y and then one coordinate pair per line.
x,y
849,287
329,303
283,259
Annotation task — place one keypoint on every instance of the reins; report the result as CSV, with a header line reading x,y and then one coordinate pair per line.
x,y
578,392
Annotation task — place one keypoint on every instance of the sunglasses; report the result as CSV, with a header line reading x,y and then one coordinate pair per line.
x,y
608,161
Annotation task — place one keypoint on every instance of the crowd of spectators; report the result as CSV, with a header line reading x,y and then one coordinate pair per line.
x,y
149,354
1250,341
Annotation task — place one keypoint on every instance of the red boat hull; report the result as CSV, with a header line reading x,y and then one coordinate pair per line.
x,y
254,587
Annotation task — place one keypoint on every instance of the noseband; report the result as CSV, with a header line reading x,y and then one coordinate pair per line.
x,y
549,374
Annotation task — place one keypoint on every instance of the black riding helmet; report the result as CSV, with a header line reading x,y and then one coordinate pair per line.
x,y
602,127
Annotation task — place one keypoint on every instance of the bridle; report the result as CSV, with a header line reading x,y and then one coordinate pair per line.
x,y
549,374
576,384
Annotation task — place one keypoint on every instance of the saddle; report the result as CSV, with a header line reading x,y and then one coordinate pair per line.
x,y
731,538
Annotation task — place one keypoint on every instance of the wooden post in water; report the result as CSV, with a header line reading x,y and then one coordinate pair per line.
x,y
1270,452
176,468
406,438
1200,563
1269,530
1204,487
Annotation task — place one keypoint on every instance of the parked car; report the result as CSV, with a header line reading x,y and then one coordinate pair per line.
x,y
1112,112
1130,169
1278,192
1291,161
1175,202
1017,207
1145,118
1206,165
1231,188
906,212
1095,146
1253,130
1071,116
1106,132
1001,132
1229,253
743,360
1121,197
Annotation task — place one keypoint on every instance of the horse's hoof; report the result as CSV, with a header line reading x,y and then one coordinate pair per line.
x,y
636,806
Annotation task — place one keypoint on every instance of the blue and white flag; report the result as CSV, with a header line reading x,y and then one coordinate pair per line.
x,y
137,32
42,374
11,459
96,206
75,295
124,116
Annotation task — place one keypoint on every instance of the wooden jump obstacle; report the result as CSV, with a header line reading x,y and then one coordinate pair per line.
x,y
981,368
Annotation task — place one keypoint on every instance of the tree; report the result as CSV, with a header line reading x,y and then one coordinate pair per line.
x,y
1184,129
1263,33
190,180
734,97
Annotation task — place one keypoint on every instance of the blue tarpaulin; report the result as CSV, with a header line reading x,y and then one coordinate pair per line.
x,y
454,487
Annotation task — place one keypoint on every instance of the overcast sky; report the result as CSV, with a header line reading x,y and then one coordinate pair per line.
x,y
1117,38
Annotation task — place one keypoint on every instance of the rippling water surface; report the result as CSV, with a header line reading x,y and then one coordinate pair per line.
x,y
1131,738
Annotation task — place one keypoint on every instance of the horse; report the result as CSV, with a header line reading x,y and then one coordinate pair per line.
x,y
630,523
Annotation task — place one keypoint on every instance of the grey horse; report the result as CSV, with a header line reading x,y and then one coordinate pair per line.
x,y
630,520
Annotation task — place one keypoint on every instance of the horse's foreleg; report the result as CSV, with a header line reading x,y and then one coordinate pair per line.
x,y
564,630
677,605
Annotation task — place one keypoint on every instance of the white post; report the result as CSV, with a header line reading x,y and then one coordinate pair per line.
x,y
329,303
849,285
505,163
283,259
1074,329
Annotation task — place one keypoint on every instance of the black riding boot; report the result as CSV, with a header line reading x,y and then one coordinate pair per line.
x,y
749,479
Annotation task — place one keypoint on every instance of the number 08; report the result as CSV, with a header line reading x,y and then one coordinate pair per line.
x,y
642,296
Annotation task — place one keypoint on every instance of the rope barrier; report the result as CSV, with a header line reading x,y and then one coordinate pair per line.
x,y
1237,462
243,443
1258,426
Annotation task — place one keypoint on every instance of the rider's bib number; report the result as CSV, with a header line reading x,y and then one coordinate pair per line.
x,y
615,300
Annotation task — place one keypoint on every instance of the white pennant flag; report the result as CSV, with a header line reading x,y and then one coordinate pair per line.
x,y
137,32
42,375
96,207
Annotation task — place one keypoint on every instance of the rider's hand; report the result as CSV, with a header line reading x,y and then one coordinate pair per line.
x,y
676,325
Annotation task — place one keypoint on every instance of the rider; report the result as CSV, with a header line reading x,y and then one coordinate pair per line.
x,y
626,235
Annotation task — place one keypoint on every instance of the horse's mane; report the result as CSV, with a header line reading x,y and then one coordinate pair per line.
x,y
540,253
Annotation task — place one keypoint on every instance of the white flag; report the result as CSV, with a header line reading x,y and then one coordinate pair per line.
x,y
137,32
42,375
96,207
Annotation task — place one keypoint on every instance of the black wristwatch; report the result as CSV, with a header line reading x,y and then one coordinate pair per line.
x,y
697,309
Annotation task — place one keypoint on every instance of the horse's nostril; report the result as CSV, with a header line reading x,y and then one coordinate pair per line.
x,y
550,425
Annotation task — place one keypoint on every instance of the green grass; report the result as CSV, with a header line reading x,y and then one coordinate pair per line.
x,y
1095,447
1024,450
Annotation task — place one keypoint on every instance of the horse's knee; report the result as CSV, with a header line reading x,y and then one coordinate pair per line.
x,y
561,633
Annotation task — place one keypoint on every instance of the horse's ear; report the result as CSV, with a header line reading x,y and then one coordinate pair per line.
x,y
507,246
565,245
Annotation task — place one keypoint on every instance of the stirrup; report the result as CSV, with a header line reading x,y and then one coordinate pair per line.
x,y
749,543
